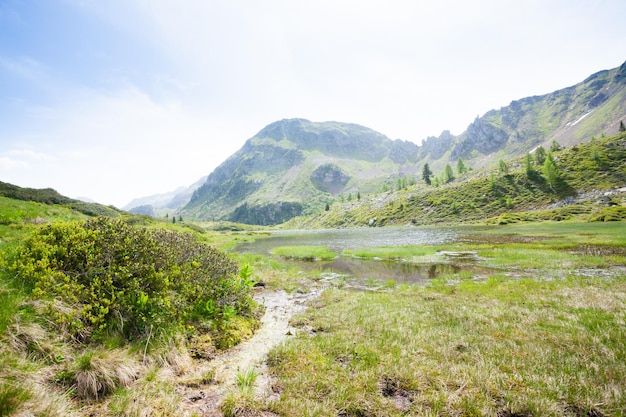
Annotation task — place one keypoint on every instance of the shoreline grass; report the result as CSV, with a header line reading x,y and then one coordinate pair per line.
x,y
305,253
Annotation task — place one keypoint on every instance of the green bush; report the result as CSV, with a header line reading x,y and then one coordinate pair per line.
x,y
116,278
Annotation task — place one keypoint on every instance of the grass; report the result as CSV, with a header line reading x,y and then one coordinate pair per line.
x,y
537,338
525,347
392,252
305,253
242,401
533,338
505,198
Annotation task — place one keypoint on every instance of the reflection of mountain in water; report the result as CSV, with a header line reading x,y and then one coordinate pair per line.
x,y
401,272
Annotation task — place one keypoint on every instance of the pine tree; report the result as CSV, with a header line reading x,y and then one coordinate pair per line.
x,y
622,128
448,175
554,146
528,164
426,174
327,208
504,169
540,155
551,171
460,167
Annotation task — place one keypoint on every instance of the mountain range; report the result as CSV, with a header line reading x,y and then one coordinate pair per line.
x,y
295,166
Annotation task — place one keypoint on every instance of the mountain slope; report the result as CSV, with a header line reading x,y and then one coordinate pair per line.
x,y
591,183
569,116
295,166
52,197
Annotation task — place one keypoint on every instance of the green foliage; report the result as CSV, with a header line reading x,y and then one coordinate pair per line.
x,y
503,167
551,170
540,155
597,165
11,398
528,165
426,174
460,167
51,197
116,278
305,253
448,174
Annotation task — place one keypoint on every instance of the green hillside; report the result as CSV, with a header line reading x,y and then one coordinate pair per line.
x,y
590,183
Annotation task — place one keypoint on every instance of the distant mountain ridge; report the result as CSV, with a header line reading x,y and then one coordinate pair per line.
x,y
296,166
164,202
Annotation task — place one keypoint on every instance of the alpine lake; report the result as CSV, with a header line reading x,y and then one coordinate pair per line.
x,y
370,257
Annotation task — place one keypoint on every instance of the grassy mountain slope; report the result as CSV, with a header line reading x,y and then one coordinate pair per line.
x,y
51,197
590,177
297,166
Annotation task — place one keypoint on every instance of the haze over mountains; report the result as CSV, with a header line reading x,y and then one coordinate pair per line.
x,y
295,166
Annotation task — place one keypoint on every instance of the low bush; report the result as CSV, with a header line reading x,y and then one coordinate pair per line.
x,y
136,282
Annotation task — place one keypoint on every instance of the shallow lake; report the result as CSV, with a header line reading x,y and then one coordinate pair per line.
x,y
368,271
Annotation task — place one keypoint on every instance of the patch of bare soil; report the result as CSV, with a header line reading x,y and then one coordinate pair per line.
x,y
204,400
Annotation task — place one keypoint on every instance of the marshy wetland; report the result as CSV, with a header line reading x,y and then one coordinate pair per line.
x,y
528,320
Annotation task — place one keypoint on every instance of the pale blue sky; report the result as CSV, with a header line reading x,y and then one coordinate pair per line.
x,y
117,99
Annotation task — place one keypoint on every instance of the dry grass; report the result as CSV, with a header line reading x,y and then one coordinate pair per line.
x,y
100,372
153,395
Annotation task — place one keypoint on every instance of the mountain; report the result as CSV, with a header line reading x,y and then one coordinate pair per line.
x,y
165,202
569,116
297,166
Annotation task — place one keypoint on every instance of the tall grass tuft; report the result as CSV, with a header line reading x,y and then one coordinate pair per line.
x,y
100,372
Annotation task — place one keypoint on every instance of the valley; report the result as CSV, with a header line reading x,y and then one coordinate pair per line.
x,y
322,270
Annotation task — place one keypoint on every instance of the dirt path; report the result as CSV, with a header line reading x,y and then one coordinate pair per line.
x,y
205,401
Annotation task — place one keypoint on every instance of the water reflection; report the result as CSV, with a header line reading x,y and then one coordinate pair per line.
x,y
340,239
401,272
371,270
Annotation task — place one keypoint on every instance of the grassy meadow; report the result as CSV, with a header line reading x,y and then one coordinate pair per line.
x,y
536,327
543,335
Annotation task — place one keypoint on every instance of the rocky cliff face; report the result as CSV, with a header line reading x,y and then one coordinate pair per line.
x,y
572,115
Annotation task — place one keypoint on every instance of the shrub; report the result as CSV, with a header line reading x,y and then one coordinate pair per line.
x,y
129,280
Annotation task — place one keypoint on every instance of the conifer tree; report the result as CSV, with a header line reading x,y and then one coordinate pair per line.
x,y
448,175
540,155
426,174
528,165
460,167
504,169
550,171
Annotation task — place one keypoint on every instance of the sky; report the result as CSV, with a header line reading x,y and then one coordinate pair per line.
x,y
117,99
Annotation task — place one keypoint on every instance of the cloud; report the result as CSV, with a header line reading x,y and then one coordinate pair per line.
x,y
11,164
